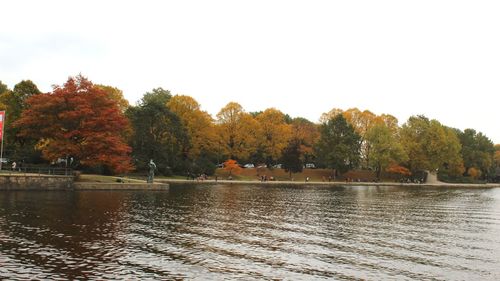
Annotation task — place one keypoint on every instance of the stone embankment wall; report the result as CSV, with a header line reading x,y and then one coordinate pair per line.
x,y
53,182
118,186
35,182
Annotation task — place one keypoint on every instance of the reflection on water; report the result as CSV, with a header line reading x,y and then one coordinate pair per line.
x,y
231,232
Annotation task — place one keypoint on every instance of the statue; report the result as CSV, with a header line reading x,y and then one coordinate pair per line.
x,y
152,168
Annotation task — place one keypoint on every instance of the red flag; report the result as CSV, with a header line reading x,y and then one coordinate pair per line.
x,y
2,120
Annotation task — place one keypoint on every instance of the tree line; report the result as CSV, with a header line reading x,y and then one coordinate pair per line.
x,y
96,126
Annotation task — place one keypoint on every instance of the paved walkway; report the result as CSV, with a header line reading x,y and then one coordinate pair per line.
x,y
301,183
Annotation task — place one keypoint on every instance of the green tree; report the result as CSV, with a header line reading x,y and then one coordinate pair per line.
x,y
291,158
14,102
497,154
157,133
477,151
339,145
386,149
3,88
431,146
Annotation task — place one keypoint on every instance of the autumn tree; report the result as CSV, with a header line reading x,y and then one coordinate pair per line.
x,y
398,170
361,121
390,121
200,129
431,146
273,134
232,167
79,120
199,125
158,134
339,145
306,133
325,117
237,131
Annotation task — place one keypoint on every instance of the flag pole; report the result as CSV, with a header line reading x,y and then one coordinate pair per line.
x,y
1,149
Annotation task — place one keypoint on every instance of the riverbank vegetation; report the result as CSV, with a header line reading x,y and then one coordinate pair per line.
x,y
93,128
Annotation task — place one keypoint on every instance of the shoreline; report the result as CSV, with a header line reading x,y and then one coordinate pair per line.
x,y
53,182
327,184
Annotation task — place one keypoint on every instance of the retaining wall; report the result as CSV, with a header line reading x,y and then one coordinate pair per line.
x,y
118,186
35,182
53,182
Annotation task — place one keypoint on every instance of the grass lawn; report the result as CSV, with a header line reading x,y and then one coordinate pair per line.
x,y
281,175
249,174
106,179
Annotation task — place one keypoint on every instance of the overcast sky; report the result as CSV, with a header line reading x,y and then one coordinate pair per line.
x,y
437,58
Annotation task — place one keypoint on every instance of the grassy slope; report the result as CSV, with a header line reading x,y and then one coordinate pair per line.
x,y
280,174
105,179
248,174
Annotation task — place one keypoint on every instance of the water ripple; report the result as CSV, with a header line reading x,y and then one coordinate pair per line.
x,y
252,233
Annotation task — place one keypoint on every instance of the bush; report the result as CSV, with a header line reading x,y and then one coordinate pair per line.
x,y
458,179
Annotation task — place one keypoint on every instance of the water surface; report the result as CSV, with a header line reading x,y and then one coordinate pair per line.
x,y
252,232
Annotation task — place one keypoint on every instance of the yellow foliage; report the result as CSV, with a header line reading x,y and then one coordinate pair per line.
x,y
236,131
362,121
116,95
198,124
274,133
41,144
330,114
389,120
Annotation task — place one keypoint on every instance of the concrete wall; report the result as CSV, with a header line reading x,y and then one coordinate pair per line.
x,y
35,182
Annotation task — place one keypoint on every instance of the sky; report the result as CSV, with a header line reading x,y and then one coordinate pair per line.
x,y
437,58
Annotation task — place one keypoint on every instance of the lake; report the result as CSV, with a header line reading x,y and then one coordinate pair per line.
x,y
252,232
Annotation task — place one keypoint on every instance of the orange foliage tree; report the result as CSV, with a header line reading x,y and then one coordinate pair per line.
x,y
397,169
232,167
474,172
78,120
